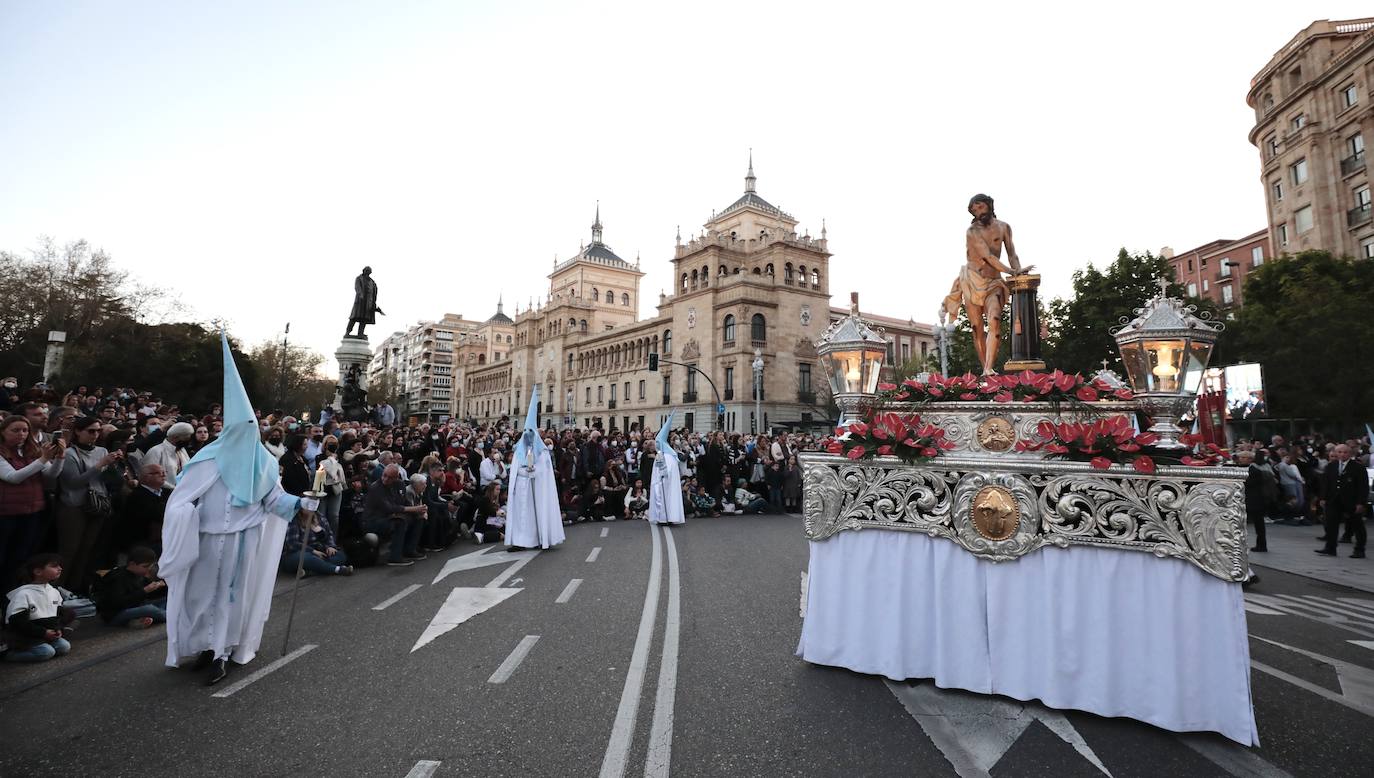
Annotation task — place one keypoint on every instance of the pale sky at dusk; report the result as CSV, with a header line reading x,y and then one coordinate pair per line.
x,y
254,156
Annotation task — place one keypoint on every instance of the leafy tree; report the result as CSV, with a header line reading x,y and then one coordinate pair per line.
x,y
1306,319
1081,326
293,385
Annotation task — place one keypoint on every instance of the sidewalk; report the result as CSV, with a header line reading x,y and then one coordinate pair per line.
x,y
1291,550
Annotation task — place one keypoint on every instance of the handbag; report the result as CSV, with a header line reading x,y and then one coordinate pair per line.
x,y
97,503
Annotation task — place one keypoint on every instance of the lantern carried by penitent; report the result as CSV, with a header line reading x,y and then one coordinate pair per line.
x,y
853,357
1165,350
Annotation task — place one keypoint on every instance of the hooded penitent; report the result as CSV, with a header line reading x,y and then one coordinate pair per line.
x,y
245,465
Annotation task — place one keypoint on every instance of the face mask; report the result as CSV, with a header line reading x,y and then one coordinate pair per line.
x,y
291,426
153,428
11,385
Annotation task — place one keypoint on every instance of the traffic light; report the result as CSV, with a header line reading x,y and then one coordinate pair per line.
x,y
653,363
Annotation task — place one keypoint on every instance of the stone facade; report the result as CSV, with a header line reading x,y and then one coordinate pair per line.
x,y
1314,107
747,284
1217,270
424,366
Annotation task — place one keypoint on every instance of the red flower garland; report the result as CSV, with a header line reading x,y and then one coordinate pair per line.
x,y
1025,386
1101,442
902,435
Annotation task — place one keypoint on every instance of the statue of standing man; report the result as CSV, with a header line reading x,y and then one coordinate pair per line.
x,y
364,304
980,288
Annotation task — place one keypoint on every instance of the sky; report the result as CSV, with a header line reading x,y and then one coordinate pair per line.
x,y
252,157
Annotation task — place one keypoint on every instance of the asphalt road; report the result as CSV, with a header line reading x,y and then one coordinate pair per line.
x,y
559,679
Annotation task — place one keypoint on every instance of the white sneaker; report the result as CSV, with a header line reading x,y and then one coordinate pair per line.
x,y
477,536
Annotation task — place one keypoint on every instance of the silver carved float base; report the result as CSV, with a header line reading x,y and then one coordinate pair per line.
x,y
1189,513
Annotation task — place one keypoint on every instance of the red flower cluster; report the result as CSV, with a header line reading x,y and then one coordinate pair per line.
x,y
1101,442
1204,454
901,435
1024,386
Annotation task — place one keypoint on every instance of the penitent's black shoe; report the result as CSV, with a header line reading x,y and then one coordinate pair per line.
x,y
1357,555
1324,552
218,671
1260,549
203,661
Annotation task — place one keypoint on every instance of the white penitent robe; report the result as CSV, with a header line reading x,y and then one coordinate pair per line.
x,y
220,563
665,498
533,519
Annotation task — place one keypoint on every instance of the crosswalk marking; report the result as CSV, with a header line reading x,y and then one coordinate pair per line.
x,y
1315,609
1260,610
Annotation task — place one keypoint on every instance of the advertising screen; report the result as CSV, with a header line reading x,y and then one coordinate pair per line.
x,y
1244,388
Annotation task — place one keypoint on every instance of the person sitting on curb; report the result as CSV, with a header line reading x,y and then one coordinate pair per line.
x,y
637,501
490,524
34,616
130,595
747,501
321,553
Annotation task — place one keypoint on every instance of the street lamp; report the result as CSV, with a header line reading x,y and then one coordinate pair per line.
x,y
1165,351
853,356
758,387
943,332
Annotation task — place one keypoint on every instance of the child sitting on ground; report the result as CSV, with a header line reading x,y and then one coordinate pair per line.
x,y
129,595
34,616
705,504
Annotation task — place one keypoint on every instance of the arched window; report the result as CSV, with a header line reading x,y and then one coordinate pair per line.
x,y
768,269
723,272
694,279
624,298
787,273
758,328
610,297
684,282
728,328
508,339
815,277
481,359
570,363
758,272
667,342
596,294
1268,103
801,274
572,323
572,291
705,275
583,325
736,271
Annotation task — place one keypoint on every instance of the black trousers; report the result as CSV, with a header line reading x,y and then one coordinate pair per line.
x,y
1255,516
1334,520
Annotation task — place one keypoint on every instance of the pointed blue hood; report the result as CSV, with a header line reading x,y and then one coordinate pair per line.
x,y
530,442
245,465
662,438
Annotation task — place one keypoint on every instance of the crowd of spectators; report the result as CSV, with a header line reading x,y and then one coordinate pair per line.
x,y
85,478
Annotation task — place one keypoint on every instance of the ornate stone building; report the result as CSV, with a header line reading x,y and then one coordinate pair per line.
x,y
748,284
1313,108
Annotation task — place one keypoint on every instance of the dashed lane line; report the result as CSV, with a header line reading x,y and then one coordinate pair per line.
x,y
522,649
423,769
596,552
238,686
568,590
395,598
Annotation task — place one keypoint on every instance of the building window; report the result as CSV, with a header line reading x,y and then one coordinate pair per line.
x,y
1302,219
758,328
624,298
583,325
570,363
601,393
1225,270
667,343
1298,122
596,294
1192,289
1271,146
627,391
1277,188
1227,295
729,382
815,277
1362,198
1349,96
1367,248
1190,266
589,395
906,352
1257,256
665,391
613,387
691,381
1354,145
728,328
641,390
804,377
1299,172
1267,103
1283,234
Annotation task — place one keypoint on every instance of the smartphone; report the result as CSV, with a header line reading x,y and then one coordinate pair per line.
x,y
57,435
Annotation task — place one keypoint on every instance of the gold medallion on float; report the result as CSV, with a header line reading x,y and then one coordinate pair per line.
x,y
995,434
995,513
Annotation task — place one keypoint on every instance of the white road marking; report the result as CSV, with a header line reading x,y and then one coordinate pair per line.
x,y
1308,610
568,590
1362,643
974,732
622,732
395,598
522,649
512,570
1329,608
596,552
1356,682
1367,606
484,558
423,769
605,531
1260,610
463,603
238,686
1232,757
660,755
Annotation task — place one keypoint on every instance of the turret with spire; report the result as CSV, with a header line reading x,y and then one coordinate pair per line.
x,y
596,225
749,179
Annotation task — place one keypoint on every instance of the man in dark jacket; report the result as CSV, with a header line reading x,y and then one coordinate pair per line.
x,y
130,595
386,513
1260,490
144,508
591,461
1345,499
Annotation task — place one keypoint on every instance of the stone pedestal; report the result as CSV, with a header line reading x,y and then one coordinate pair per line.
x,y
1025,324
350,394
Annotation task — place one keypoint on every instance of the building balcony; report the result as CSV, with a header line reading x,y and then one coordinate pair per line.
x,y
689,397
1352,164
758,342
805,397
1357,216
610,404
729,394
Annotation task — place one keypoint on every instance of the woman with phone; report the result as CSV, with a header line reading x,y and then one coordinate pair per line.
x,y
24,468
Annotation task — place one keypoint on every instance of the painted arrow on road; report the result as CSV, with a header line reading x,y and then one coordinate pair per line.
x,y
484,558
463,603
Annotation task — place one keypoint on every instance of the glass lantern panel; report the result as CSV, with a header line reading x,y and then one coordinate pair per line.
x,y
873,369
1198,355
1137,366
1166,360
846,371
